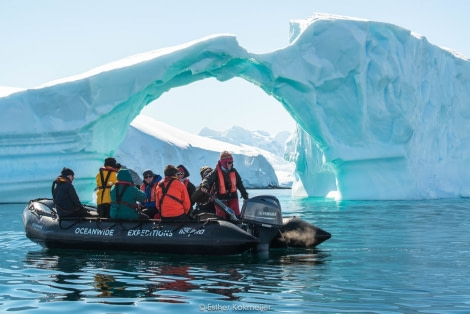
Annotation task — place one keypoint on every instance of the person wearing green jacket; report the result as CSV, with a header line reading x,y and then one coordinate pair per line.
x,y
124,198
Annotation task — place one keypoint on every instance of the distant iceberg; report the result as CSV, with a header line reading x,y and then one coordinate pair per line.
x,y
154,144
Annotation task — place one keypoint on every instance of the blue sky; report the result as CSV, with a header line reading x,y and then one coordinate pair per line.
x,y
50,39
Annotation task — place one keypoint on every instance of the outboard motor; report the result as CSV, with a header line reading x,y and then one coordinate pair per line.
x,y
262,217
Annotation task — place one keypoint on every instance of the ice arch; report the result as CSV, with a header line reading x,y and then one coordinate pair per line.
x,y
81,120
382,113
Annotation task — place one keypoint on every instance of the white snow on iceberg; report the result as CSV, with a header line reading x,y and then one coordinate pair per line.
x,y
381,112
151,144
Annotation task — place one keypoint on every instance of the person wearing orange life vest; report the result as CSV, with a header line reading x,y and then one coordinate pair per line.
x,y
148,186
105,179
183,176
172,197
226,180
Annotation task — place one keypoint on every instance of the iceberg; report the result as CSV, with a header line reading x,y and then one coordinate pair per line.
x,y
381,113
151,144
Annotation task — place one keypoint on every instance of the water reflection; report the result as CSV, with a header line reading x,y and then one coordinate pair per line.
x,y
297,256
395,257
106,285
167,278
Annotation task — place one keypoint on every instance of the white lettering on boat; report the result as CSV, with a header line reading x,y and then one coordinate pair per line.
x,y
191,231
95,231
36,226
149,233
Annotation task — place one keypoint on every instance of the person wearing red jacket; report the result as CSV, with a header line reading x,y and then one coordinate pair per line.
x,y
172,197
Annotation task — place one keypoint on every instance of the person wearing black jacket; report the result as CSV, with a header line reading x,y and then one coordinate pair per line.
x,y
226,181
183,177
203,201
65,197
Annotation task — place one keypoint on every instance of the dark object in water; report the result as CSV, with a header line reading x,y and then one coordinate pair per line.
x,y
260,224
296,232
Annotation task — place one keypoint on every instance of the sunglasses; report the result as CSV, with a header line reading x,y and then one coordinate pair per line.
x,y
146,177
179,173
229,162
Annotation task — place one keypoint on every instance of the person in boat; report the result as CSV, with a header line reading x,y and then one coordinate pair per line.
x,y
125,197
203,201
148,186
226,180
66,200
172,197
105,179
183,176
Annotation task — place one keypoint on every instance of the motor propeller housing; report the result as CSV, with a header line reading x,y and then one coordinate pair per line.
x,y
262,210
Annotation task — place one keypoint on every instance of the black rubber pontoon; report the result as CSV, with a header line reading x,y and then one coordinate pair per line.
x,y
260,227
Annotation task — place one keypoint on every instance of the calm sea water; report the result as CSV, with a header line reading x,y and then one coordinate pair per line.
x,y
383,257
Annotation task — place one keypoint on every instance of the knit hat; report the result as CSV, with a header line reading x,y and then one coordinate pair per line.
x,y
170,171
183,169
67,172
147,173
225,155
204,171
110,162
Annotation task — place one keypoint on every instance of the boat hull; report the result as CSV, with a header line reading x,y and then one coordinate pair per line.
x,y
212,236
260,228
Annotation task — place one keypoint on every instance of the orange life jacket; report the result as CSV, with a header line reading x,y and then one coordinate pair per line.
x,y
233,181
172,197
152,191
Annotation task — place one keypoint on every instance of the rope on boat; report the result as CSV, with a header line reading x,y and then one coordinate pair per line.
x,y
203,226
133,228
98,224
38,212
158,224
174,230
63,228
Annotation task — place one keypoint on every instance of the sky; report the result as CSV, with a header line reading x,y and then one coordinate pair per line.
x,y
45,40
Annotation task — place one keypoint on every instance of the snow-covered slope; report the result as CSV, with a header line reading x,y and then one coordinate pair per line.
x,y
153,144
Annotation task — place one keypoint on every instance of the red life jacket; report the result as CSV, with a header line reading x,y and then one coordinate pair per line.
x,y
152,191
233,181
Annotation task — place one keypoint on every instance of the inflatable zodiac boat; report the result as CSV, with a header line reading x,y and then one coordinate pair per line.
x,y
260,227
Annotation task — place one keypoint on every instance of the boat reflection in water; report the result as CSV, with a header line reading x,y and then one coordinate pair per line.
x,y
120,278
